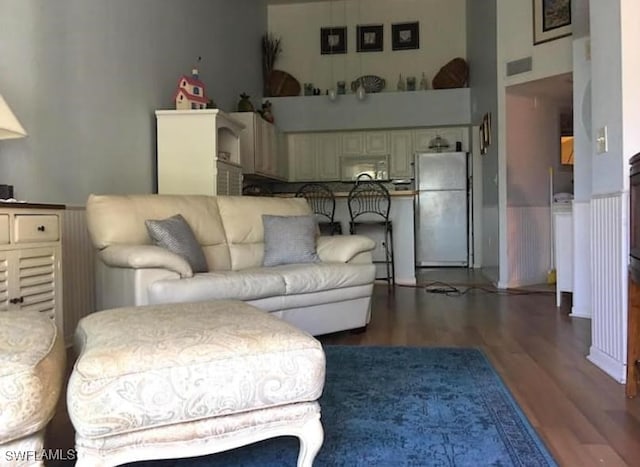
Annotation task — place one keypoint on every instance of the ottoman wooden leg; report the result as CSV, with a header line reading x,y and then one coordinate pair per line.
x,y
311,440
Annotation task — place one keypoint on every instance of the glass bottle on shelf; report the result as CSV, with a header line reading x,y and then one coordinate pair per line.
x,y
424,84
401,85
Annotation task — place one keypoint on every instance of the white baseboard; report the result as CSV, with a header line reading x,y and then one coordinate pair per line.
x,y
613,368
580,313
406,281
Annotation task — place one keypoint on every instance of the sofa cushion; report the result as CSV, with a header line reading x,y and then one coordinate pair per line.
x,y
242,221
219,285
289,240
310,278
261,283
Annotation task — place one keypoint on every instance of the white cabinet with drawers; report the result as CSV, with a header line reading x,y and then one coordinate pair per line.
x,y
30,258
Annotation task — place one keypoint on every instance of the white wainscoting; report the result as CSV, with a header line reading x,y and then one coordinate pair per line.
x,y
581,260
78,276
528,245
609,257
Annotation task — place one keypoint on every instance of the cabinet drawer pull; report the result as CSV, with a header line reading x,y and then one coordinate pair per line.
x,y
41,228
16,300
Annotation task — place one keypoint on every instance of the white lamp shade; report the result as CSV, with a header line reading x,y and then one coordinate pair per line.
x,y
9,125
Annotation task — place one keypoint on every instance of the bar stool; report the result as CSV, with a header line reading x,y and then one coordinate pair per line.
x,y
323,203
256,190
369,204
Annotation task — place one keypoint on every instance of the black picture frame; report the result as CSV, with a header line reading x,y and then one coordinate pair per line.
x,y
333,40
551,20
370,38
405,36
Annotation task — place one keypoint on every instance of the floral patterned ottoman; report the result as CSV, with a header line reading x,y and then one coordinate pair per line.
x,y
178,380
32,367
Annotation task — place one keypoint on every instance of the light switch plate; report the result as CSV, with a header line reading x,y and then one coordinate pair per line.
x,y
602,143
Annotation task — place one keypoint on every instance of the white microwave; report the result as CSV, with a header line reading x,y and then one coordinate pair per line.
x,y
351,167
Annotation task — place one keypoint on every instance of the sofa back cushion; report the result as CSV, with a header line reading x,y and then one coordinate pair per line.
x,y
242,220
120,220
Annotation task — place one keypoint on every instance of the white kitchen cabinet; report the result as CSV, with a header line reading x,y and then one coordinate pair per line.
x,y
358,143
353,143
317,156
314,156
258,145
376,143
190,144
302,157
31,258
282,156
327,157
401,154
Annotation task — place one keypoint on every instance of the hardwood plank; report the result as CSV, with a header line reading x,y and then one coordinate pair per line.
x,y
539,351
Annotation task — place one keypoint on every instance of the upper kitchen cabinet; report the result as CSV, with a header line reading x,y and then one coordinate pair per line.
x,y
327,156
357,143
302,157
401,154
314,156
198,149
259,146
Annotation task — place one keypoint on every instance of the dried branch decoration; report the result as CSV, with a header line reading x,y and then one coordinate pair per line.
x,y
271,48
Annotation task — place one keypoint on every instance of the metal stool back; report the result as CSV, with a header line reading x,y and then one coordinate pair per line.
x,y
323,203
369,202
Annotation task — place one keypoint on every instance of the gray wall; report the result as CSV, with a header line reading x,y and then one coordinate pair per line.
x,y
85,76
582,130
482,56
608,170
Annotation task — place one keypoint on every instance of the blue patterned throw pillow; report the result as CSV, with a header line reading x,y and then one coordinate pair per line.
x,y
289,240
175,234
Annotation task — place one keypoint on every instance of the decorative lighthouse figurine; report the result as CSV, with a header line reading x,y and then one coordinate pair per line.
x,y
190,92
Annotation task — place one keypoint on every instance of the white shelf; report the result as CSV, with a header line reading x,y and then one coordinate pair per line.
x,y
441,107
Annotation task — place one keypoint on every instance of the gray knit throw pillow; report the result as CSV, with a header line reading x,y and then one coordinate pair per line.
x,y
289,240
175,234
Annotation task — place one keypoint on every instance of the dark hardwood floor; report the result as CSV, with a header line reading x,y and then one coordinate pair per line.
x,y
580,412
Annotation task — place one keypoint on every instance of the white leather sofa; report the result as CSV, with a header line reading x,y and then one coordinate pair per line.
x,y
328,296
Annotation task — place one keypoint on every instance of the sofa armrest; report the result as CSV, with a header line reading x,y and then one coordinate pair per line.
x,y
144,256
342,248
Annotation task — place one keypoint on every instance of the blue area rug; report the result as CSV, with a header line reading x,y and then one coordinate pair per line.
x,y
405,406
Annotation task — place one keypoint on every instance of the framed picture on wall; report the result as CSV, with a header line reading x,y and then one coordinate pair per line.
x,y
551,20
370,38
333,40
405,36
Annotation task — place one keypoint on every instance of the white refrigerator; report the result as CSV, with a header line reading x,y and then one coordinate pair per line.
x,y
442,209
